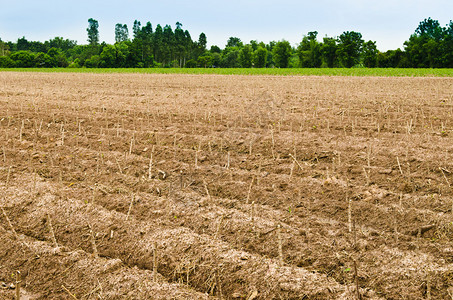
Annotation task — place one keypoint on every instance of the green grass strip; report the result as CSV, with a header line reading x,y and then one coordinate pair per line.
x,y
390,72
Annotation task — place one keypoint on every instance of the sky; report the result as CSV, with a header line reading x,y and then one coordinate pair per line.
x,y
387,22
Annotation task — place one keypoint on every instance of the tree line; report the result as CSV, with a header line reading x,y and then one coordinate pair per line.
x,y
430,46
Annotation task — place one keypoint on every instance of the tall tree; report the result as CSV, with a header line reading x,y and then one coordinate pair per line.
x,y
234,42
309,51
349,48
121,33
245,56
329,51
260,57
202,42
93,32
281,54
136,29
370,54
157,43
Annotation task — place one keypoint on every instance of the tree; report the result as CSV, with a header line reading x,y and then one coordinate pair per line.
x,y
93,32
370,54
121,33
260,57
202,42
4,48
23,44
282,53
430,28
309,51
349,48
180,44
234,42
136,29
329,52
215,49
230,58
157,42
245,56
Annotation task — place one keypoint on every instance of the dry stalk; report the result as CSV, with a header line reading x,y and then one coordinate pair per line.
x,y
196,158
252,225
206,190
132,145
62,135
52,233
295,160
155,261
280,247
119,167
21,131
7,177
218,284
150,164
399,166
18,282
4,154
181,180
356,279
366,176
446,179
130,207
69,293
9,223
93,242
228,160
219,226
350,214
250,191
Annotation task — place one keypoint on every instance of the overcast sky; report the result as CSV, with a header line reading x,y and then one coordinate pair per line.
x,y
388,22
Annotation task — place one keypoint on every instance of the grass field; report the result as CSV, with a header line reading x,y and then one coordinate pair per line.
x,y
282,72
151,186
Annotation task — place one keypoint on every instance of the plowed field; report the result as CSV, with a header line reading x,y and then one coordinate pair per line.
x,y
147,186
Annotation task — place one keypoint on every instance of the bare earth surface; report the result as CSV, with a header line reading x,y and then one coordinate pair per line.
x,y
128,186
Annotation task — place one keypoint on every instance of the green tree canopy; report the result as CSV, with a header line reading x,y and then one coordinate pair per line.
x,y
349,48
281,53
93,32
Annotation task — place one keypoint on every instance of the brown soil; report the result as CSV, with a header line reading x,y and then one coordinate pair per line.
x,y
233,187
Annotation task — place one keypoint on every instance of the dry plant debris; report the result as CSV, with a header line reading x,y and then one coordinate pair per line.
x,y
148,186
